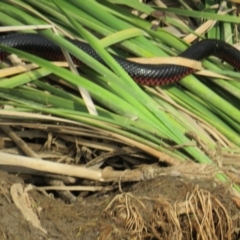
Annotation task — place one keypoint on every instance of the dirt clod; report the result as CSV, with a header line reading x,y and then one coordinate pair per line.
x,y
162,208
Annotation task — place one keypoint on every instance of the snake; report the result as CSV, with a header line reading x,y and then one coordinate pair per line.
x,y
143,74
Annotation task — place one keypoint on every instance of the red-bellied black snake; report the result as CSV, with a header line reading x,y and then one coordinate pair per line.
x,y
145,74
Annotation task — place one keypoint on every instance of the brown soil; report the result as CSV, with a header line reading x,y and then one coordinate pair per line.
x,y
154,209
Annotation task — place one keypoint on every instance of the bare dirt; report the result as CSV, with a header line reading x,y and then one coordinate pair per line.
x,y
162,208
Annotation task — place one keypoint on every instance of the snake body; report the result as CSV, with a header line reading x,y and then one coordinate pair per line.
x,y
145,74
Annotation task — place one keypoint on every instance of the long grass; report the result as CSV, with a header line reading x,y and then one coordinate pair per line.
x,y
152,117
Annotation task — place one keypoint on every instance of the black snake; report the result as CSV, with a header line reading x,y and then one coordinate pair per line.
x,y
145,74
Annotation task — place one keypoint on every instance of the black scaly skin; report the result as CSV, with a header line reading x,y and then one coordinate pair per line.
x,y
145,74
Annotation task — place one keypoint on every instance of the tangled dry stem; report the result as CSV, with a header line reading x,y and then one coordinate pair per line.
x,y
127,208
207,217
200,216
165,223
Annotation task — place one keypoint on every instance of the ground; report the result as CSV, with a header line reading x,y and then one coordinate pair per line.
x,y
162,208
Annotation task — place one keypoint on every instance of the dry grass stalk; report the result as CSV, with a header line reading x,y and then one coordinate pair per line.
x,y
47,166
